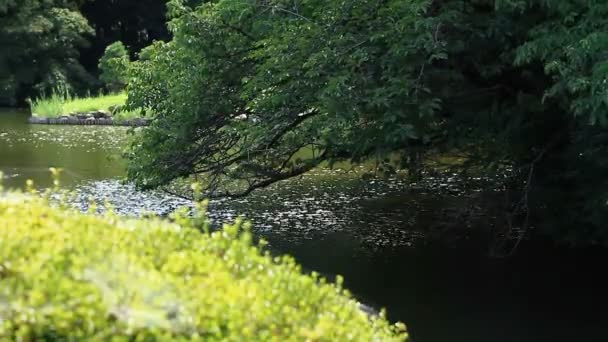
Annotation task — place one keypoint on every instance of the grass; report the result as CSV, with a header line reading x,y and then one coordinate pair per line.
x,y
63,103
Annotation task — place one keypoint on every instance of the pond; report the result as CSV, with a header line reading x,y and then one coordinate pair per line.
x,y
374,232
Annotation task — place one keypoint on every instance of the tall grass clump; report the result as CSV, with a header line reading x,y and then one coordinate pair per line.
x,y
51,106
67,276
61,102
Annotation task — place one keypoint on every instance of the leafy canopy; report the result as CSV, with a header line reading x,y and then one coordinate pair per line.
x,y
40,42
251,92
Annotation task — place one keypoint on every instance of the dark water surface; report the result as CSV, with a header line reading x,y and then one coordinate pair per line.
x,y
372,232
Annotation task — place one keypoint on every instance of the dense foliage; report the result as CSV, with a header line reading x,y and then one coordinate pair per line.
x,y
40,42
50,44
252,92
69,276
570,44
245,86
114,66
136,23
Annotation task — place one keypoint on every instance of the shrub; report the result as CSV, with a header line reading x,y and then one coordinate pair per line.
x,y
114,66
70,276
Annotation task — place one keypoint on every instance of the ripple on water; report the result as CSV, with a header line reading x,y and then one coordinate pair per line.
x,y
68,137
311,207
378,213
319,204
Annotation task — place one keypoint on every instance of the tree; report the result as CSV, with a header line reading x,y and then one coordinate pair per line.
x,y
136,23
571,45
252,92
114,67
40,42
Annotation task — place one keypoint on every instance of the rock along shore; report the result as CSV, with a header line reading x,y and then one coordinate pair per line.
x,y
94,118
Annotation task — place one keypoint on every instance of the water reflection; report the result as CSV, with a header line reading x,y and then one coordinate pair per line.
x,y
295,210
27,151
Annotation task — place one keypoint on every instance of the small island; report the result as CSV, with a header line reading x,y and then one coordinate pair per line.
x,y
106,110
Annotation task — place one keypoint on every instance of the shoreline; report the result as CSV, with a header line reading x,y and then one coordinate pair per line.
x,y
95,118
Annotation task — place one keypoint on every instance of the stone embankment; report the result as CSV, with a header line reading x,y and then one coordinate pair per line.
x,y
98,117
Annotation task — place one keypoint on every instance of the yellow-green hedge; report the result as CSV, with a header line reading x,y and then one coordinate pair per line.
x,y
75,277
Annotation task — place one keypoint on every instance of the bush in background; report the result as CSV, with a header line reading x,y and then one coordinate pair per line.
x,y
114,66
